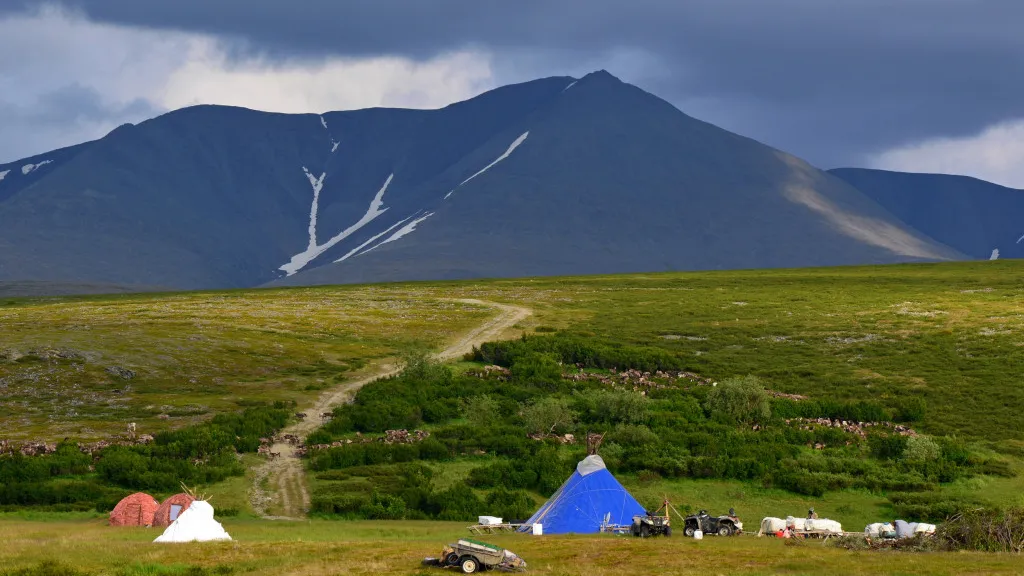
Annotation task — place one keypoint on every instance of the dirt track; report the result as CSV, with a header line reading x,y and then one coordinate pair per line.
x,y
282,480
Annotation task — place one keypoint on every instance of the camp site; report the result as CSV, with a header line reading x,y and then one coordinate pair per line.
x,y
545,434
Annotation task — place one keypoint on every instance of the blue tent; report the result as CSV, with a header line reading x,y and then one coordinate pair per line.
x,y
586,498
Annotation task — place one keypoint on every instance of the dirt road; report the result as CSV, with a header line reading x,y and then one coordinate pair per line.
x,y
282,481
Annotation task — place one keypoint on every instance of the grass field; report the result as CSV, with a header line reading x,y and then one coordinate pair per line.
x,y
196,354
951,334
327,548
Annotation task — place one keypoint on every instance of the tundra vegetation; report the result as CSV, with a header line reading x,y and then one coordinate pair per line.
x,y
755,369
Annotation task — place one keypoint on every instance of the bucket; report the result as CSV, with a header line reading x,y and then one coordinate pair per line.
x,y
698,535
538,530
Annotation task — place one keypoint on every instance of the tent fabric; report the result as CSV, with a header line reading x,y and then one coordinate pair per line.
x,y
583,502
135,510
178,503
196,524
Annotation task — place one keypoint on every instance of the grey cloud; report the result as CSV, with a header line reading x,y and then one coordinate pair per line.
x,y
63,117
830,80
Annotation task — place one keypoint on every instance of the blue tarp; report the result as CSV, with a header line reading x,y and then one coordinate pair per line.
x,y
582,503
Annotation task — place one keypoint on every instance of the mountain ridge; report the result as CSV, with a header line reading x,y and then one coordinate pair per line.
x,y
554,176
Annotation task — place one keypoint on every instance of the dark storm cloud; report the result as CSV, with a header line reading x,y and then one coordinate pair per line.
x,y
63,117
830,80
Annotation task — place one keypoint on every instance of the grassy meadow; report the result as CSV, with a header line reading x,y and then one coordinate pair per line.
x,y
319,547
196,354
950,335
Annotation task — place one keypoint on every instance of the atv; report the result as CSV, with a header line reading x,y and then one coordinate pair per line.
x,y
651,525
720,525
657,523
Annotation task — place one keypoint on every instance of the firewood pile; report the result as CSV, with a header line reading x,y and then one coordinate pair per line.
x,y
640,381
563,438
39,448
850,426
492,370
389,437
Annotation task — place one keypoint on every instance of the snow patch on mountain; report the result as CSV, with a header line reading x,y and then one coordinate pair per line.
x,y
29,168
318,185
3,175
323,122
373,238
403,231
1020,239
334,146
573,83
518,141
995,254
299,261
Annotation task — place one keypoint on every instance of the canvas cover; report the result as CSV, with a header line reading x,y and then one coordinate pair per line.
x,y
771,525
585,499
794,523
903,529
823,525
923,528
196,524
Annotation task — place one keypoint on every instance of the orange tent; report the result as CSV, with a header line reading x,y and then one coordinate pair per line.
x,y
135,510
169,511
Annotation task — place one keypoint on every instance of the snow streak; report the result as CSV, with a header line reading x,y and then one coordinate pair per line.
x,y
570,85
995,254
518,141
403,231
4,175
28,168
318,185
299,261
324,122
370,241
1019,239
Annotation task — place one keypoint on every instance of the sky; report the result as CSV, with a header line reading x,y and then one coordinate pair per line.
x,y
915,85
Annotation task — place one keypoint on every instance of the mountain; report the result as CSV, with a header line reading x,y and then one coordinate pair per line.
x,y
554,176
975,217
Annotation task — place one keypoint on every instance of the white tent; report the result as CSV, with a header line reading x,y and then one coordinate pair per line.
x,y
195,524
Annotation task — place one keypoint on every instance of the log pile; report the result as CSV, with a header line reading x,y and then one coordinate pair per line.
x,y
850,426
40,448
389,437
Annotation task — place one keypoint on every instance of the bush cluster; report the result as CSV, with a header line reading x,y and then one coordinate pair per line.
x,y
199,454
733,430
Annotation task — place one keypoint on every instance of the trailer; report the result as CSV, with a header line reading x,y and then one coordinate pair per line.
x,y
474,556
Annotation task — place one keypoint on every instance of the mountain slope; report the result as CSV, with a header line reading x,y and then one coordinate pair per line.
x,y
975,217
608,178
554,176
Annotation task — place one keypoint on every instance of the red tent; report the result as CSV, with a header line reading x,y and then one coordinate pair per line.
x,y
169,511
135,510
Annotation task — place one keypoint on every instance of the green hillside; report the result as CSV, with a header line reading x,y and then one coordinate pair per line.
x,y
933,348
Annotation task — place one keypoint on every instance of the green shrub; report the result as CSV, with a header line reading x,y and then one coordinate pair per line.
x,y
921,449
740,400
549,415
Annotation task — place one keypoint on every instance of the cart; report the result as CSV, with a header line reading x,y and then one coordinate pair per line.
x,y
473,556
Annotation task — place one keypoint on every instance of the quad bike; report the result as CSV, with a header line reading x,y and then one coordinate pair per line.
x,y
720,525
